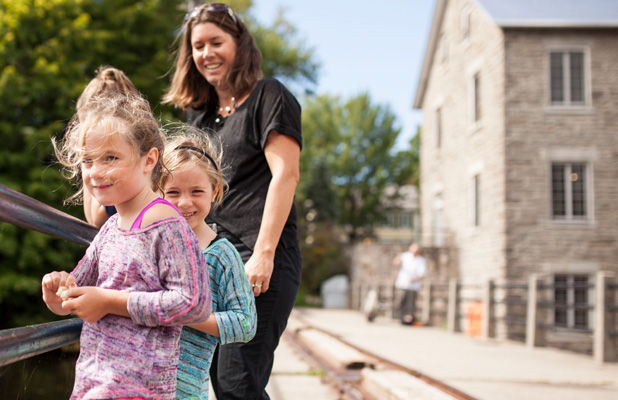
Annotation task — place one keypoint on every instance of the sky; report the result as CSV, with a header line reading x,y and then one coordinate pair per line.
x,y
363,46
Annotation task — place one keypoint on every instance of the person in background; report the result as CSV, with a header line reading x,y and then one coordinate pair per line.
x,y
107,81
410,280
219,82
143,276
193,182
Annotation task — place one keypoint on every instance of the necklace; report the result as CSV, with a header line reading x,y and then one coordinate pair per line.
x,y
228,109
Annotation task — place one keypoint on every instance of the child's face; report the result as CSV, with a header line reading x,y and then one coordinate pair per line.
x,y
191,190
110,170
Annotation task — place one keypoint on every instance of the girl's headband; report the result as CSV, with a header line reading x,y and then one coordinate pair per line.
x,y
202,152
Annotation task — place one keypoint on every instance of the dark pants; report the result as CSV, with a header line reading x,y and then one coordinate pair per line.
x,y
408,304
241,370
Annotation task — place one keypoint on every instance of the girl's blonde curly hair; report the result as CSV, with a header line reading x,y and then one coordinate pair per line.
x,y
128,115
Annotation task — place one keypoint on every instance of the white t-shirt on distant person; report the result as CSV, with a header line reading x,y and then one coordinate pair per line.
x,y
411,267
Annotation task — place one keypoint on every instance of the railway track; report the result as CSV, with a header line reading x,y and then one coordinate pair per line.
x,y
358,374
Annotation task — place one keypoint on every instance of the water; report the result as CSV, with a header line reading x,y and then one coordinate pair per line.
x,y
44,377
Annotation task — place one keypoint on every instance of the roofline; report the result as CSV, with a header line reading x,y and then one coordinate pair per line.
x,y
430,50
547,23
436,24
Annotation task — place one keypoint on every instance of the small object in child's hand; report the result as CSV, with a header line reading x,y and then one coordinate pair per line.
x,y
62,292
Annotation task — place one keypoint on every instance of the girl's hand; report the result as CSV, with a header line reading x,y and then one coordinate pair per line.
x,y
87,302
259,269
50,284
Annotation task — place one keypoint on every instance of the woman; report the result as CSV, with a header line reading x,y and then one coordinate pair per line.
x,y
218,80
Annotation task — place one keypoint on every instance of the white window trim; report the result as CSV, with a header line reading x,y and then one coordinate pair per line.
x,y
569,218
475,170
567,108
475,193
565,155
473,98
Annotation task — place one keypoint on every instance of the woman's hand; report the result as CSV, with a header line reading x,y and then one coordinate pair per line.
x,y
259,269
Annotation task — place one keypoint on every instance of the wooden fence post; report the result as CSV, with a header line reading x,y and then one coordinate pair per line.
x,y
452,308
488,309
534,332
604,346
426,311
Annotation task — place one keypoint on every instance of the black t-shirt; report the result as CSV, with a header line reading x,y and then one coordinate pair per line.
x,y
243,135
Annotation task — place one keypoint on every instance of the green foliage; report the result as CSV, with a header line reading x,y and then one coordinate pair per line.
x,y
347,160
352,145
49,51
323,255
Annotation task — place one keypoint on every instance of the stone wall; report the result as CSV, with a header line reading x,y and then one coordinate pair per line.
x,y
466,148
537,134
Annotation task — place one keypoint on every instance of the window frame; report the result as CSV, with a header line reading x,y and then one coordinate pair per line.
x,y
475,205
568,192
568,103
475,111
569,293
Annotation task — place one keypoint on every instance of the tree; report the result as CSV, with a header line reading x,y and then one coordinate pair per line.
x,y
49,50
356,141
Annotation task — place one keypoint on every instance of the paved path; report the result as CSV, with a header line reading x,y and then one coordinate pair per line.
x,y
294,378
487,370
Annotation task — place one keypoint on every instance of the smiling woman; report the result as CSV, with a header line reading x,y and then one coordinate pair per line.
x,y
218,80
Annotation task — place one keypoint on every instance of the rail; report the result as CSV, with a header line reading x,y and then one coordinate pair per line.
x,y
20,210
530,311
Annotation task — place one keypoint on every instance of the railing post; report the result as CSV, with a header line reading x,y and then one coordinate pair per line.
x,y
488,309
534,333
604,348
426,315
453,302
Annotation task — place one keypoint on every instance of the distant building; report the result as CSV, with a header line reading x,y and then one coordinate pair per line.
x,y
371,259
519,145
401,222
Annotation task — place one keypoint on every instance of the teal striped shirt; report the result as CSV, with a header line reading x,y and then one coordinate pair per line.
x,y
234,307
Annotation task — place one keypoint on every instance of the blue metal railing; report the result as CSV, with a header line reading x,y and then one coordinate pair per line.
x,y
23,211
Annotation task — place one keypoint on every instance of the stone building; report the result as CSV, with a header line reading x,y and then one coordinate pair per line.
x,y
519,147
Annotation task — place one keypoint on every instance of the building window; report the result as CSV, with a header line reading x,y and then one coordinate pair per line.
x,y
465,23
571,303
405,220
438,128
475,108
476,201
569,197
567,78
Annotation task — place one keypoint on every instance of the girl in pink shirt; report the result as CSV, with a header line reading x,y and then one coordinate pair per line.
x,y
144,275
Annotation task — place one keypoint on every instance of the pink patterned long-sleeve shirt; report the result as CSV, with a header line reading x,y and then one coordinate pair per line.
x,y
162,267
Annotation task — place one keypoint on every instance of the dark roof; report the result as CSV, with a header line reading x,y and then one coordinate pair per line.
x,y
552,13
